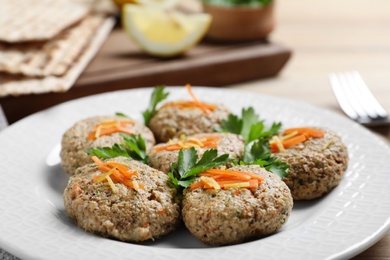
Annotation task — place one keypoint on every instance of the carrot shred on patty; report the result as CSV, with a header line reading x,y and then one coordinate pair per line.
x,y
311,132
109,127
226,179
76,188
201,142
116,173
292,137
196,103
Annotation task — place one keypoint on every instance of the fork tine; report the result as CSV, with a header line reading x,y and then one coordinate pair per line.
x,y
371,105
342,97
356,100
354,96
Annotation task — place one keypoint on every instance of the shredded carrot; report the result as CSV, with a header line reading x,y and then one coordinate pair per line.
x,y
161,211
169,148
276,144
210,183
253,184
226,179
191,104
254,176
109,127
136,185
197,184
196,103
312,132
116,173
289,142
112,185
102,177
294,136
294,141
288,135
101,165
236,185
203,106
117,176
123,169
202,142
188,87
76,188
227,174
326,146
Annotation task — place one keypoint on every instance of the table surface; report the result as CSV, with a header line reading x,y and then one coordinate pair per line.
x,y
332,36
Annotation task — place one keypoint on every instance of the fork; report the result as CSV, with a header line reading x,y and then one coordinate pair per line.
x,y
356,99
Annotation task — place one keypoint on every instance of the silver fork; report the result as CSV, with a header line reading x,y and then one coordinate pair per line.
x,y
356,99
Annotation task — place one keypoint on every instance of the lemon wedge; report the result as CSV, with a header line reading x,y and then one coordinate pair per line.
x,y
161,32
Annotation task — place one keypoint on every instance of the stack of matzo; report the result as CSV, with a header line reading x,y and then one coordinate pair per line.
x,y
46,44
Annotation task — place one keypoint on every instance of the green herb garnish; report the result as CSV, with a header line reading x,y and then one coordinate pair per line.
x,y
256,136
132,147
184,172
158,95
249,126
121,114
258,152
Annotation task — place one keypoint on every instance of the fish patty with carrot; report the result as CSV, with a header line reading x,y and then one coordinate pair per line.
x,y
317,158
97,131
163,155
123,199
224,207
186,117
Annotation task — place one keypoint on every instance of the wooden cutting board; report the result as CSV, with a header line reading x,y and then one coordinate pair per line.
x,y
121,65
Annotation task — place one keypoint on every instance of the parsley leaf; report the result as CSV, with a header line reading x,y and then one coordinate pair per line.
x,y
184,172
258,131
249,118
255,149
249,126
108,152
121,114
158,95
132,147
233,124
258,152
256,136
187,159
136,147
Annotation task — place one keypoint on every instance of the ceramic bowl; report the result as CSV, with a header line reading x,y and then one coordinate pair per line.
x,y
240,23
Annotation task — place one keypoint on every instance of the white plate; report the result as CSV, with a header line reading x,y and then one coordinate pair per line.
x,y
33,224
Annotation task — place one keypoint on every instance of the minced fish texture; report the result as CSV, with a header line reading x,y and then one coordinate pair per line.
x,y
170,122
231,216
75,141
316,166
230,144
129,214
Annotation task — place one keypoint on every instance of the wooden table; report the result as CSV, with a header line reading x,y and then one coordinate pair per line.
x,y
333,36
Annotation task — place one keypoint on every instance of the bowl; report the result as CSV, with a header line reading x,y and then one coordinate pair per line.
x,y
238,23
